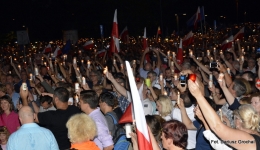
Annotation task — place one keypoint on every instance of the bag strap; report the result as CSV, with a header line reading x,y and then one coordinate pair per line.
x,y
114,119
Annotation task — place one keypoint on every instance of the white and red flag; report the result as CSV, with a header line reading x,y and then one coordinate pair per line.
x,y
124,36
240,34
188,39
101,53
47,49
114,36
227,44
88,45
179,55
145,45
159,32
144,141
57,52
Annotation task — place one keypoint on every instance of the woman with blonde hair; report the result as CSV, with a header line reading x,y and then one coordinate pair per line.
x,y
81,131
164,107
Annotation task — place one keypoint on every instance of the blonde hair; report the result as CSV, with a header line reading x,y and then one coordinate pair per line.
x,y
81,128
250,118
166,105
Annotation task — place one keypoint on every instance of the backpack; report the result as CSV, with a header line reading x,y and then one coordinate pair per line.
x,y
119,138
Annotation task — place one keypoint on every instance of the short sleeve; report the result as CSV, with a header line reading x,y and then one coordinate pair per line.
x,y
234,105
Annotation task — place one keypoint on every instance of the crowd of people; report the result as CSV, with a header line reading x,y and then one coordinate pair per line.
x,y
75,101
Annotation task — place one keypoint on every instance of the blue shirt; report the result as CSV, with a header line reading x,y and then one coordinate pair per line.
x,y
201,142
143,73
15,98
32,137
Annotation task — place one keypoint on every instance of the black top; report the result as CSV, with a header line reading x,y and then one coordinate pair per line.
x,y
257,140
56,122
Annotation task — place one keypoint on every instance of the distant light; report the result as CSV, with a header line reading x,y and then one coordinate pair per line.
x,y
184,14
176,15
221,16
206,15
13,19
23,26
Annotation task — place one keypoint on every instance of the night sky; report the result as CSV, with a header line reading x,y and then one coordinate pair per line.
x,y
46,19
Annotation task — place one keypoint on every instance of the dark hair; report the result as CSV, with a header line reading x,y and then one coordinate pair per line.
x,y
186,99
176,131
108,98
250,75
153,73
45,98
9,100
155,123
121,79
90,97
62,94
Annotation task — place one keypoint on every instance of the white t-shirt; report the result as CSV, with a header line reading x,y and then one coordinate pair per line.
x,y
148,107
176,114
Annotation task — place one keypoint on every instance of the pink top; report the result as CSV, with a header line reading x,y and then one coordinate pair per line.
x,y
11,121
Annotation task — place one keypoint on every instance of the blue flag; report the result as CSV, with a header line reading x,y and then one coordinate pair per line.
x,y
67,47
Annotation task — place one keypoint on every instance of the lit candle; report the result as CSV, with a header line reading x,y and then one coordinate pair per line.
x,y
242,58
10,72
74,60
31,76
82,61
165,93
220,77
208,52
51,54
168,53
178,98
191,53
78,69
79,51
214,49
173,54
83,80
210,84
210,77
161,77
122,66
114,61
45,64
228,70
36,71
211,59
134,62
221,115
253,49
172,63
221,53
88,63
19,67
76,86
105,70
175,77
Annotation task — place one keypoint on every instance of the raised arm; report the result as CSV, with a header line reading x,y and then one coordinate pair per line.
x,y
142,59
118,87
206,70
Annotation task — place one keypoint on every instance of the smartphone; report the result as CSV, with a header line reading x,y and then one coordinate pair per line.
x,y
183,80
213,65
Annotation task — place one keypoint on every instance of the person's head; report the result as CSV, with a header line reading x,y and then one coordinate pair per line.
x,y
219,93
4,134
248,75
43,70
174,93
106,100
245,100
6,104
9,78
81,128
251,63
186,66
3,78
151,75
40,87
46,101
95,76
24,75
88,101
246,118
255,101
187,99
155,123
148,66
174,133
98,89
228,56
26,115
120,80
9,88
168,72
2,90
16,79
164,105
237,88
60,95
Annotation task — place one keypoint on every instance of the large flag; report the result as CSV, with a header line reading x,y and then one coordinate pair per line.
x,y
240,34
143,138
188,39
47,49
227,44
67,47
88,45
114,36
57,52
197,17
124,36
145,45
179,56
127,117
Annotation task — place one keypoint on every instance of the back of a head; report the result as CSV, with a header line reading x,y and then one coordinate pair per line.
x,y
155,123
62,94
239,87
108,98
45,98
26,115
248,115
186,96
90,97
81,128
166,103
177,131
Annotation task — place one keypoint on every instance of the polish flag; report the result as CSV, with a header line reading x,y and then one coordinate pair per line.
x,y
143,138
188,39
145,45
240,34
114,36
124,36
227,44
197,19
179,56
158,32
88,45
47,49
127,117
57,52
101,53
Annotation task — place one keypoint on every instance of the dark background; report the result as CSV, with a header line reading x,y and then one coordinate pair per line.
x,y
45,19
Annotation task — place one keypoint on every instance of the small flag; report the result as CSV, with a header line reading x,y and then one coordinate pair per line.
x,y
114,36
57,52
124,36
227,44
188,39
240,34
47,49
179,56
88,45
